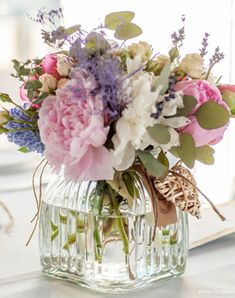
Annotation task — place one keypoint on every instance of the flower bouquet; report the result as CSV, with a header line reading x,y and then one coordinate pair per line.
x,y
120,126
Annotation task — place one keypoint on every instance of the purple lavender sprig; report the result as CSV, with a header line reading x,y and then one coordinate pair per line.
x,y
170,95
203,50
178,37
23,130
216,58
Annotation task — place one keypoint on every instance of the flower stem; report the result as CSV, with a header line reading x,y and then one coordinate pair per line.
x,y
119,222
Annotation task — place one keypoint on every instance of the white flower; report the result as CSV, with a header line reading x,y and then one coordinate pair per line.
x,y
48,83
135,120
132,128
64,65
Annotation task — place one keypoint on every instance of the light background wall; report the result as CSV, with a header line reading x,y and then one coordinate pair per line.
x,y
158,19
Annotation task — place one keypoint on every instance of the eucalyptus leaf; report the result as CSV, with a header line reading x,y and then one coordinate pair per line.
x,y
129,182
163,79
189,104
95,42
175,151
229,99
127,31
4,97
159,133
187,150
153,166
212,115
205,155
118,18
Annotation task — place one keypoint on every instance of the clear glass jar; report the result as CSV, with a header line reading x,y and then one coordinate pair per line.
x,y
108,246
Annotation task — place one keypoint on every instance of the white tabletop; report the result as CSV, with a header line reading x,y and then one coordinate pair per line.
x,y
210,271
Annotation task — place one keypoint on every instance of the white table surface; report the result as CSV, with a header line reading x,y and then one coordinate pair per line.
x,y
210,271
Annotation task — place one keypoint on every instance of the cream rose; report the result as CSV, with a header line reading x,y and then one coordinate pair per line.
x,y
64,65
193,65
142,48
48,82
61,83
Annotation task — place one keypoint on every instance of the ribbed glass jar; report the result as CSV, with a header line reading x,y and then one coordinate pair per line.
x,y
108,246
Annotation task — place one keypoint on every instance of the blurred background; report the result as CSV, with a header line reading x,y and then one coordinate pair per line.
x,y
20,39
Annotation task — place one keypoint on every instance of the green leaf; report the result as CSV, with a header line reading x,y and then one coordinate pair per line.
x,y
163,78
129,183
175,151
3,130
5,97
189,104
42,96
54,234
127,31
118,18
212,115
160,133
38,70
95,42
187,150
63,219
174,53
24,150
229,99
33,85
153,166
163,160
71,238
54,227
205,155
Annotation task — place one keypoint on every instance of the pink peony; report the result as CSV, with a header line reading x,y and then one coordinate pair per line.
x,y
72,128
203,92
49,65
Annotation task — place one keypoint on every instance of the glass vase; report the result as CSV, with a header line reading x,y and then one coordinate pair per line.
x,y
99,239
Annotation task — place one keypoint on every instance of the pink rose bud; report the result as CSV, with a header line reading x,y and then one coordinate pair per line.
x,y
202,91
49,65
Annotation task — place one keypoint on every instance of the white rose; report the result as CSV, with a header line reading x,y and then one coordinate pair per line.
x,y
61,83
193,65
48,83
64,65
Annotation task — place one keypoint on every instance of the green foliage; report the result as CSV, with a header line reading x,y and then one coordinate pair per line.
x,y
212,115
127,31
159,133
23,150
115,19
205,155
229,99
33,85
163,79
3,130
186,151
121,23
163,160
174,53
153,166
21,69
189,104
5,97
96,44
